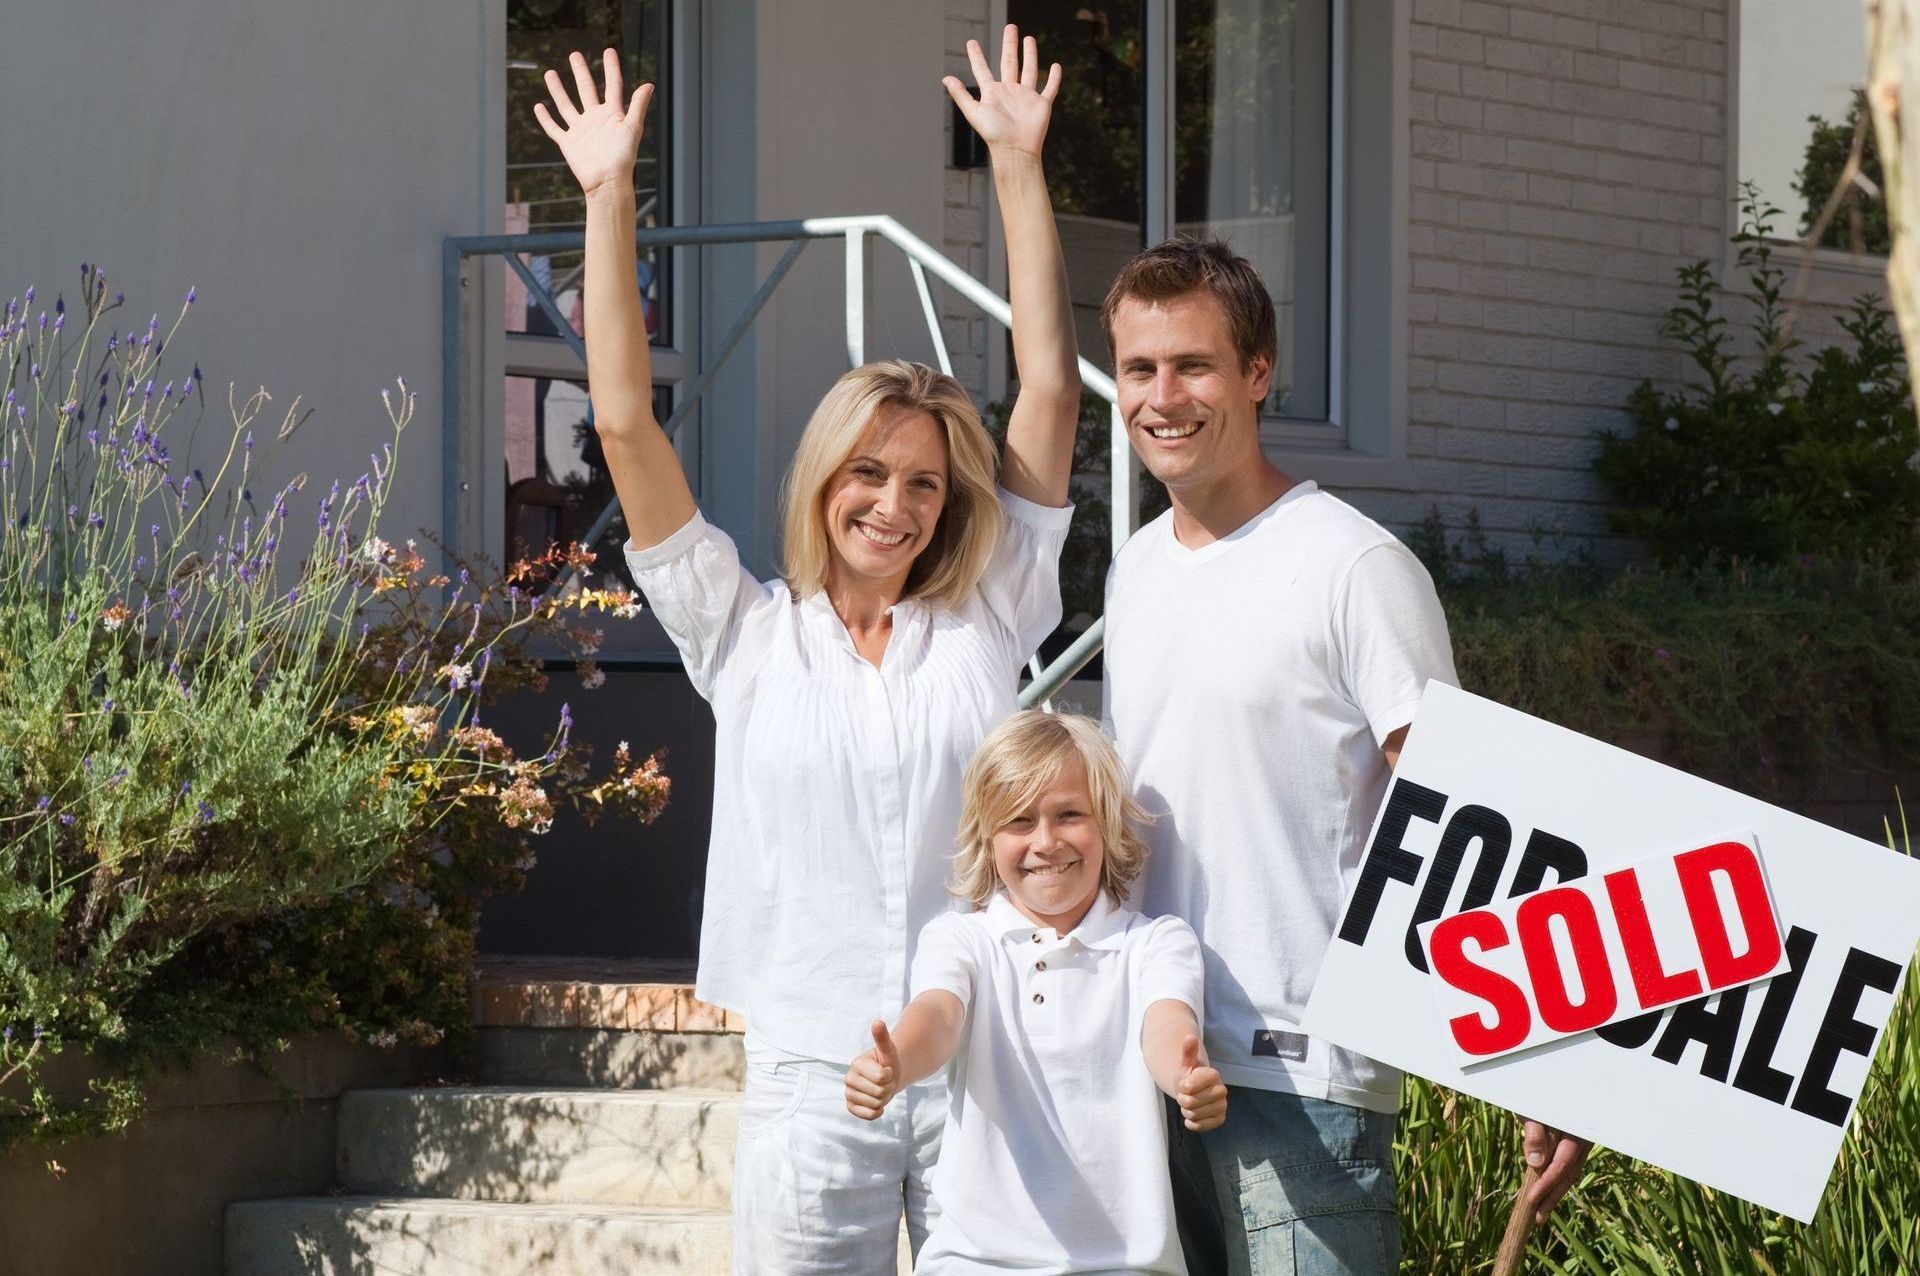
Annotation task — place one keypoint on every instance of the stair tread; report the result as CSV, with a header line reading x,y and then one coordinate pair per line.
x,y
621,994
456,1207
565,1094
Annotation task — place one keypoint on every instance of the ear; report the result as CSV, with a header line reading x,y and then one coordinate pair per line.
x,y
1260,377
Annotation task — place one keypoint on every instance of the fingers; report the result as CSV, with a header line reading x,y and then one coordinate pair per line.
x,y
869,1086
637,108
546,123
883,1049
1010,54
1537,1143
977,60
1561,1173
610,68
583,81
1052,89
1030,63
961,98
562,100
1202,1098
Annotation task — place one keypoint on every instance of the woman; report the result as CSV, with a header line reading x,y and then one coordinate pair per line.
x,y
848,696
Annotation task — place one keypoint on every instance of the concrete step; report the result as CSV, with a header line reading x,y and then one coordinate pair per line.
x,y
660,1148
619,1060
357,1235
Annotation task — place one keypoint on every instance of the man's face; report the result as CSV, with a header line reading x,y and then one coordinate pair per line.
x,y
1191,410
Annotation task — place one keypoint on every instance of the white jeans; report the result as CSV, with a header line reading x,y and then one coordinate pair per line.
x,y
818,1190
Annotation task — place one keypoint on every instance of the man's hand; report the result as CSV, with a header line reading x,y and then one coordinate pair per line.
x,y
874,1078
600,140
1202,1096
1011,112
1559,1158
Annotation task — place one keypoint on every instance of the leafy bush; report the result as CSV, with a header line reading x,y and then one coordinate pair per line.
x,y
1860,223
1768,460
242,790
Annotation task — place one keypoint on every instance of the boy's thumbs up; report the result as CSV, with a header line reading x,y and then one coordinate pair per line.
x,y
1202,1096
883,1049
1190,1053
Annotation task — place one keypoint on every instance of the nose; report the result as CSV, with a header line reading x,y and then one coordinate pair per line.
x,y
1165,391
891,497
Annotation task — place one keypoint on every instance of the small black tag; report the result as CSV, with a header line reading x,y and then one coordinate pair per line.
x,y
1275,1043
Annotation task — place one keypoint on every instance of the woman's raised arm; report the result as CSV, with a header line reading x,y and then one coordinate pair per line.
x,y
600,140
1011,116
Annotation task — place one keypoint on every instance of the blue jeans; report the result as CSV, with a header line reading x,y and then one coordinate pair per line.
x,y
1288,1186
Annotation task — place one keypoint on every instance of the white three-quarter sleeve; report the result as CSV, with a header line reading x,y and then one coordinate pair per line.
x,y
1021,586
695,584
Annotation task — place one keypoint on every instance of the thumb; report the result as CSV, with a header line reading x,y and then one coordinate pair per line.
x,y
1190,1053
883,1045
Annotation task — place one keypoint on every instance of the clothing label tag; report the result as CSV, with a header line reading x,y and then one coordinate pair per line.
x,y
1274,1043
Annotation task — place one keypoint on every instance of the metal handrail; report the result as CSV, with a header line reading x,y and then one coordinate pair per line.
x,y
921,259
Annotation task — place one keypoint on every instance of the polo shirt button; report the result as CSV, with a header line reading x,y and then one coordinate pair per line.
x,y
1039,965
1037,999
1036,936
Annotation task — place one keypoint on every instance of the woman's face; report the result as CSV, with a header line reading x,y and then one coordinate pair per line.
x,y
884,501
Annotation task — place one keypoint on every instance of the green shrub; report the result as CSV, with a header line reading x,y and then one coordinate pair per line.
x,y
1860,223
242,790
1768,460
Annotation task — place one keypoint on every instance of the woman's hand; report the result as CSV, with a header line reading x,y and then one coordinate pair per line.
x,y
599,140
1012,112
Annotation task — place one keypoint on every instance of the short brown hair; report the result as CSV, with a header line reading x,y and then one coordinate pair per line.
x,y
1182,265
1017,762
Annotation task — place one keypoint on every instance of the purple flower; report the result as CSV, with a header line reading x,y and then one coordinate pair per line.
x,y
66,821
205,811
1663,654
29,295
191,294
43,803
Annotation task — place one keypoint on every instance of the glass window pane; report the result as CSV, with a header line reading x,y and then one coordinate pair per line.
x,y
557,480
1252,131
541,193
1095,147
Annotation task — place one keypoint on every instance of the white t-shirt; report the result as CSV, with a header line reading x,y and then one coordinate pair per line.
x,y
1249,686
1054,1159
836,785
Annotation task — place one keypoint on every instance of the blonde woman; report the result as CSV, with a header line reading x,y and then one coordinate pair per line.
x,y
847,696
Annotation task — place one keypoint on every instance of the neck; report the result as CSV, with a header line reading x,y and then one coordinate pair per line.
x,y
863,605
1202,515
1060,923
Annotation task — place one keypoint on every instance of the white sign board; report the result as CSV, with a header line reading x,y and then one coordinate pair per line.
x,y
1747,1090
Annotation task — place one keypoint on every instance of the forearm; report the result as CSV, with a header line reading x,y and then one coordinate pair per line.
x,y
927,1034
1166,1026
619,360
1046,413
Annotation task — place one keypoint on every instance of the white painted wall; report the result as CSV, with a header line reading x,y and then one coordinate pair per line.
x,y
298,163
1797,58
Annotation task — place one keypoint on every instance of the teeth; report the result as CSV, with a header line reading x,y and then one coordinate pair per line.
x,y
1050,870
1173,431
881,538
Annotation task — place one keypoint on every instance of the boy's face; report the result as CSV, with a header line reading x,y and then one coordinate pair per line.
x,y
1050,855
1192,411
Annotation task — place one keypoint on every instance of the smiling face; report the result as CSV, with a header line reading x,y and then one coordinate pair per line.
x,y
1191,408
884,501
1050,854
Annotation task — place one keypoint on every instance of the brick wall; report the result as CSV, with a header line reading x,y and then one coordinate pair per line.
x,y
1566,157
964,236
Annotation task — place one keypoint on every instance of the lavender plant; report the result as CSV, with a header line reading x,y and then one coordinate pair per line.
x,y
233,715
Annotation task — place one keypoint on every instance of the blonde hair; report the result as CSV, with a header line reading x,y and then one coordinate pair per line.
x,y
969,525
1013,767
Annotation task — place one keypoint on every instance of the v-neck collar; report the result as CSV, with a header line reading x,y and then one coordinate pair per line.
x,y
1194,557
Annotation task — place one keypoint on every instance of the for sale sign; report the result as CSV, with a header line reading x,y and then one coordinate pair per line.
x,y
1620,950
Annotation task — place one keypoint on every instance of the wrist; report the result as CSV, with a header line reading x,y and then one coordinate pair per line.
x,y
614,192
1008,161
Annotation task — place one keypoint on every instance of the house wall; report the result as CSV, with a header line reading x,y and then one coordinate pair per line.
x,y
297,164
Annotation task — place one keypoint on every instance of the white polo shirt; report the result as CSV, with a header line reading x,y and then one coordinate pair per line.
x,y
836,785
1249,685
1054,1159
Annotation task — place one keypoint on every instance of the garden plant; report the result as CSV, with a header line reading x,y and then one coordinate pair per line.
x,y
244,789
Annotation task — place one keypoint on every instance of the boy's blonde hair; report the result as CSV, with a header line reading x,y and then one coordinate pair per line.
x,y
1009,772
969,527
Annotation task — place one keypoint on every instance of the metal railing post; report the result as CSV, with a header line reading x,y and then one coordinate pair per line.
x,y
856,296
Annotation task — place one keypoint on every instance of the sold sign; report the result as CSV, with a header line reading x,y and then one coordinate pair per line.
x,y
1598,950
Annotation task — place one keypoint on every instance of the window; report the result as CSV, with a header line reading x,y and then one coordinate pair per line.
x,y
556,484
1202,117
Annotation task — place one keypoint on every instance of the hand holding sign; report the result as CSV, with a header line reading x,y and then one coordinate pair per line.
x,y
1202,1096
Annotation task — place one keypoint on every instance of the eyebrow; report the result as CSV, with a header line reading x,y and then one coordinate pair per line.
x,y
874,460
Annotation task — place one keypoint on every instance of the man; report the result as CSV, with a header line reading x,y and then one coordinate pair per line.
x,y
1266,647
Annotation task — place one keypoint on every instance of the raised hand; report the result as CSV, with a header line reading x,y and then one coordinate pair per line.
x,y
1011,112
1202,1096
600,139
874,1078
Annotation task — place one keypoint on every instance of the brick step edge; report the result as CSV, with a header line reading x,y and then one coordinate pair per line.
x,y
581,1003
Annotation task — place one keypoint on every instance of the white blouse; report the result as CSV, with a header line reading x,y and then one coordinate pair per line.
x,y
836,788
